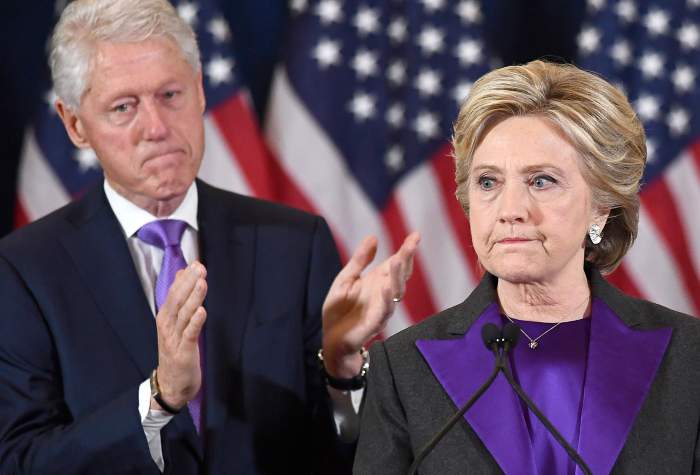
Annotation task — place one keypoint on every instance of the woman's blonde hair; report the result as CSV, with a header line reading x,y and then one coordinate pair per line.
x,y
596,118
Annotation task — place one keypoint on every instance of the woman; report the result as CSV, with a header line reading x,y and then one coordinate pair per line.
x,y
549,160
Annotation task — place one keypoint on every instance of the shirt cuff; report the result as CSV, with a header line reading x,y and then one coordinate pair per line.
x,y
152,420
346,410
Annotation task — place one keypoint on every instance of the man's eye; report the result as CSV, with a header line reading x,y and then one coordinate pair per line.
x,y
170,94
122,108
486,183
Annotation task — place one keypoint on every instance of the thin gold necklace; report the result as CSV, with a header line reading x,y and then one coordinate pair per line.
x,y
534,342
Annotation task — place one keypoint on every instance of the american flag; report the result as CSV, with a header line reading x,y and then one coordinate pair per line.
x,y
360,118
52,171
651,50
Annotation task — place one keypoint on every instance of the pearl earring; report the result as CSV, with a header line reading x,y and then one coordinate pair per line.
x,y
594,232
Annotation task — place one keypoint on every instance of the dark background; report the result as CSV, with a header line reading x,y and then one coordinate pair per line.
x,y
516,30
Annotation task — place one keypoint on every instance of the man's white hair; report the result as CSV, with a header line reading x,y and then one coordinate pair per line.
x,y
84,23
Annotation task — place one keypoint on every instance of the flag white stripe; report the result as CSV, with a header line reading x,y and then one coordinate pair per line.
x,y
447,272
682,178
219,165
653,270
39,189
315,165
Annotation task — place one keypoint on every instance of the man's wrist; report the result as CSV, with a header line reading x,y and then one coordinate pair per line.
x,y
356,381
157,395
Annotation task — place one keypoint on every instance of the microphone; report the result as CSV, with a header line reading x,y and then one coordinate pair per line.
x,y
500,342
511,333
493,339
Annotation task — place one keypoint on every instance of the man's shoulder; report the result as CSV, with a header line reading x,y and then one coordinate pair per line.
x,y
249,209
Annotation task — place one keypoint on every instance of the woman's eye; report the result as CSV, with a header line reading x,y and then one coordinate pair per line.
x,y
486,183
542,181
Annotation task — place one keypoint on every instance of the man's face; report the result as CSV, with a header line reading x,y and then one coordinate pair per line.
x,y
142,115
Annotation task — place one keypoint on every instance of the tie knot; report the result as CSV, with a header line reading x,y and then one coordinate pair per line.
x,y
162,233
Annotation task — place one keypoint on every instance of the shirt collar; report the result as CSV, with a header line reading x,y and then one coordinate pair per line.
x,y
132,218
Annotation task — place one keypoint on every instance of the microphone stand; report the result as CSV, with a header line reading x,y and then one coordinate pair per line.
x,y
500,343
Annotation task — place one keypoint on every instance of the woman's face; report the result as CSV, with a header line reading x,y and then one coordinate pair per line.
x,y
530,208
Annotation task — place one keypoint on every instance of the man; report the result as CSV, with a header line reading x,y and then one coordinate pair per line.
x,y
224,379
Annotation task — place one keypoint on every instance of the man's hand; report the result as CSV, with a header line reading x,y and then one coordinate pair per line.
x,y
358,306
179,322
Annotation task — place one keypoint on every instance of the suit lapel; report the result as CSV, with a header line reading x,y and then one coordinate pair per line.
x,y
98,248
462,365
622,364
227,244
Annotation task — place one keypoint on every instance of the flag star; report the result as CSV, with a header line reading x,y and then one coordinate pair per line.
x,y
468,51
329,11
365,63
431,40
651,150
219,70
693,3
627,10
397,73
298,6
395,115
428,82
468,11
647,107
362,106
621,52
394,159
432,5
689,36
367,21
50,97
651,64
327,53
657,22
683,78
461,91
219,29
188,12
596,5
588,40
678,121
426,125
87,160
398,30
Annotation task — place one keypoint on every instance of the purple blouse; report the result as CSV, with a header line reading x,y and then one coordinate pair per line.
x,y
553,375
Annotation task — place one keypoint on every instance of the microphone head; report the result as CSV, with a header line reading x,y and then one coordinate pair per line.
x,y
491,335
511,333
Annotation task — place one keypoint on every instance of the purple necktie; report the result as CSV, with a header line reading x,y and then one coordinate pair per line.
x,y
166,235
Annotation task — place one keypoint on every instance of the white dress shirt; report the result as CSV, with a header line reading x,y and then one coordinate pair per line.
x,y
148,259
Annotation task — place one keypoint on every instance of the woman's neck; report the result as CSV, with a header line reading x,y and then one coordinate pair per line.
x,y
552,302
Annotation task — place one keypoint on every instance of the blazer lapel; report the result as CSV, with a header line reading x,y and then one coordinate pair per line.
x,y
98,248
462,365
227,244
622,364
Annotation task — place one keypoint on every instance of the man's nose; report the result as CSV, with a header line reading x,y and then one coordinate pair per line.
x,y
153,121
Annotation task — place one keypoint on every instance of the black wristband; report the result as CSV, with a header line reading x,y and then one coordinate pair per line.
x,y
346,384
166,407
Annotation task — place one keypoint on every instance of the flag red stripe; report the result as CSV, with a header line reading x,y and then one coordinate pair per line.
x,y
417,299
658,202
20,214
443,165
622,280
264,174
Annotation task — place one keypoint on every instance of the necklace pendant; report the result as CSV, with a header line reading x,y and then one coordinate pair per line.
x,y
533,344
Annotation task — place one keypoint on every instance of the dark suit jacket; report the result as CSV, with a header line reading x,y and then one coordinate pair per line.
x,y
77,338
641,400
